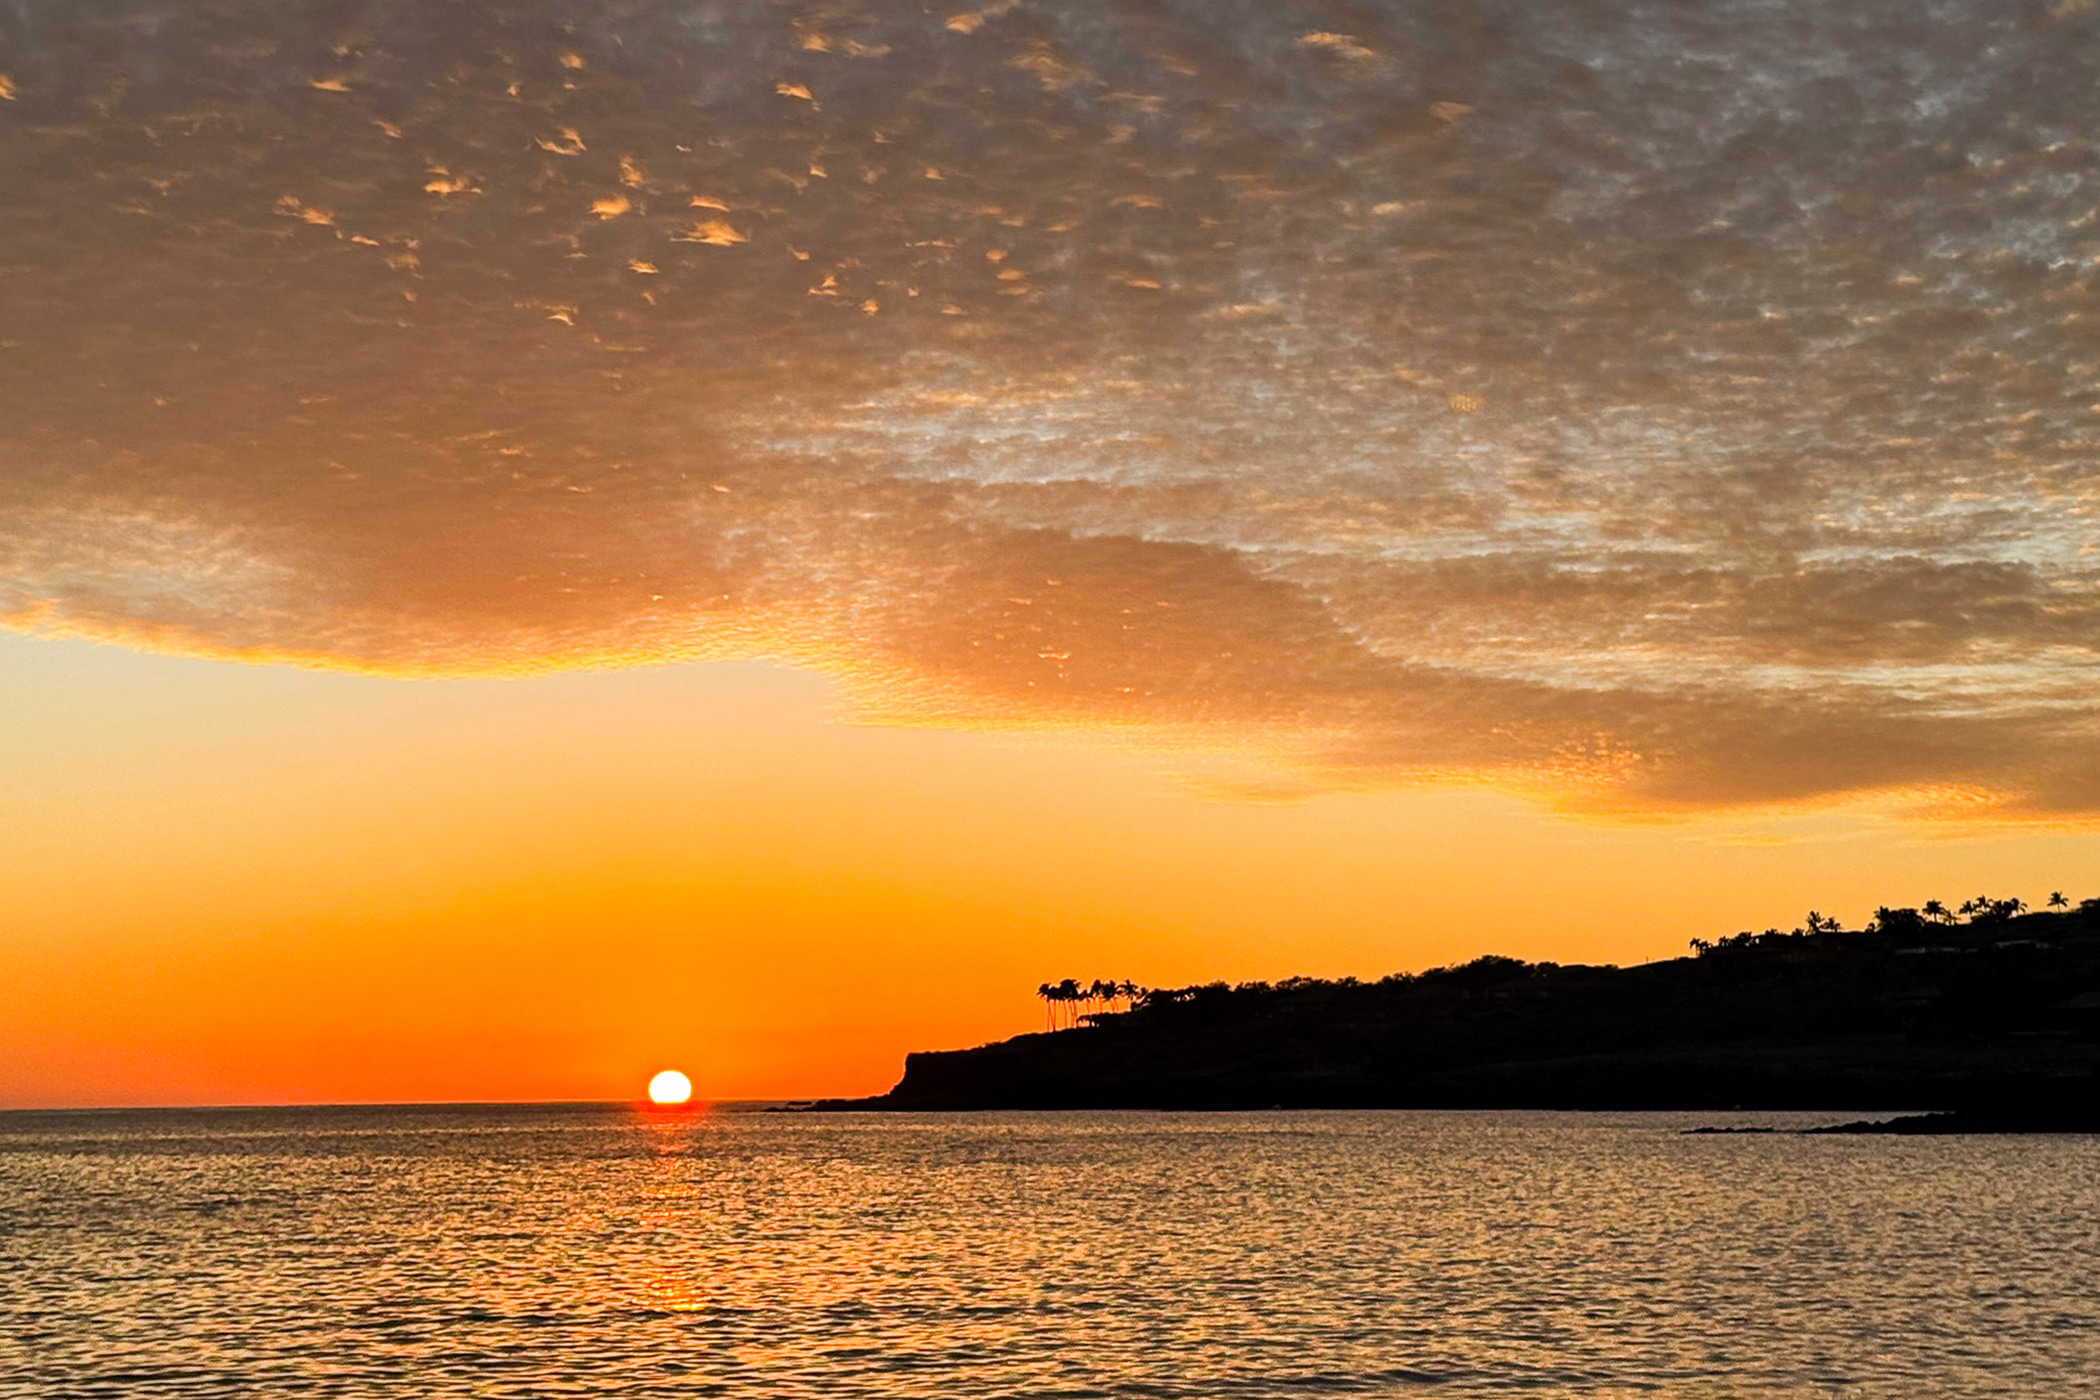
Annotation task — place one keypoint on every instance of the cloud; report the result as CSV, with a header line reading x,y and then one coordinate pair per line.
x,y
1653,408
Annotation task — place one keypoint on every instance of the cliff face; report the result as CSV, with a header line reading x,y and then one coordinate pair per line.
x,y
1830,1020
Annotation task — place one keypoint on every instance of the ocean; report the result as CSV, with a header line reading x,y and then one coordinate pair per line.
x,y
601,1250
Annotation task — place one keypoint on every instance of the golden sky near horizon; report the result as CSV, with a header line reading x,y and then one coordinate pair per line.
x,y
545,530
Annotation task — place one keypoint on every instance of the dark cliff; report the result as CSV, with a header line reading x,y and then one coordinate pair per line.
x,y
1912,1016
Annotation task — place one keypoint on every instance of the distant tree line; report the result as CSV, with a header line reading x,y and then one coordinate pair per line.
x,y
1071,1003
1905,924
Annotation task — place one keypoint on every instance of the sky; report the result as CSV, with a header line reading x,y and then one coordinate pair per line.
x,y
547,541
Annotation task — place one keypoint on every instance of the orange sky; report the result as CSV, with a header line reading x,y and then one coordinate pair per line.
x,y
231,883
539,541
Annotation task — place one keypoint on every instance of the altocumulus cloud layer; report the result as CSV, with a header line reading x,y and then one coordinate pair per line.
x,y
1657,405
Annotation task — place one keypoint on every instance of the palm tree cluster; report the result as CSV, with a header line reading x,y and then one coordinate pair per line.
x,y
1981,911
1814,923
1069,1002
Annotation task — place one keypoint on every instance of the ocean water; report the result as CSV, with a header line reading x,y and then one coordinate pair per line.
x,y
602,1251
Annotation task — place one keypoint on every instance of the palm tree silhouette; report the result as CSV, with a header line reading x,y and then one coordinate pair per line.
x,y
2057,900
1066,1003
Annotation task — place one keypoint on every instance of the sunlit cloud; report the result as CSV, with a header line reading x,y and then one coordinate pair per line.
x,y
1645,407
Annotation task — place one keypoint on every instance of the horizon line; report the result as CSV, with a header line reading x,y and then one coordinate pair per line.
x,y
398,1103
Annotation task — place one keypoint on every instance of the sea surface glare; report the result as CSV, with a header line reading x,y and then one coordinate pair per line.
x,y
605,1251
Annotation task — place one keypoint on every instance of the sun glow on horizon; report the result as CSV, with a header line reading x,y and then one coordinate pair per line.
x,y
670,1087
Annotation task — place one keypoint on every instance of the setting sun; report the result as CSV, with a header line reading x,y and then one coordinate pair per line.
x,y
670,1087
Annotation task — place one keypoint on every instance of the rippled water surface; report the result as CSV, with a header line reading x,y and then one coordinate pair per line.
x,y
384,1252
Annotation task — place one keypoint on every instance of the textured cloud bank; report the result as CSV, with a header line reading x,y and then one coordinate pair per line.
x,y
1656,405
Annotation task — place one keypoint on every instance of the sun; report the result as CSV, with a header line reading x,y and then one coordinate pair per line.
x,y
670,1087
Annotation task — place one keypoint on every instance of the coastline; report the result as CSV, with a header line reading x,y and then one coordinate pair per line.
x,y
1997,1024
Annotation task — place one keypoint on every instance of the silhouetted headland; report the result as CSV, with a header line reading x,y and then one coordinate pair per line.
x,y
1991,1016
